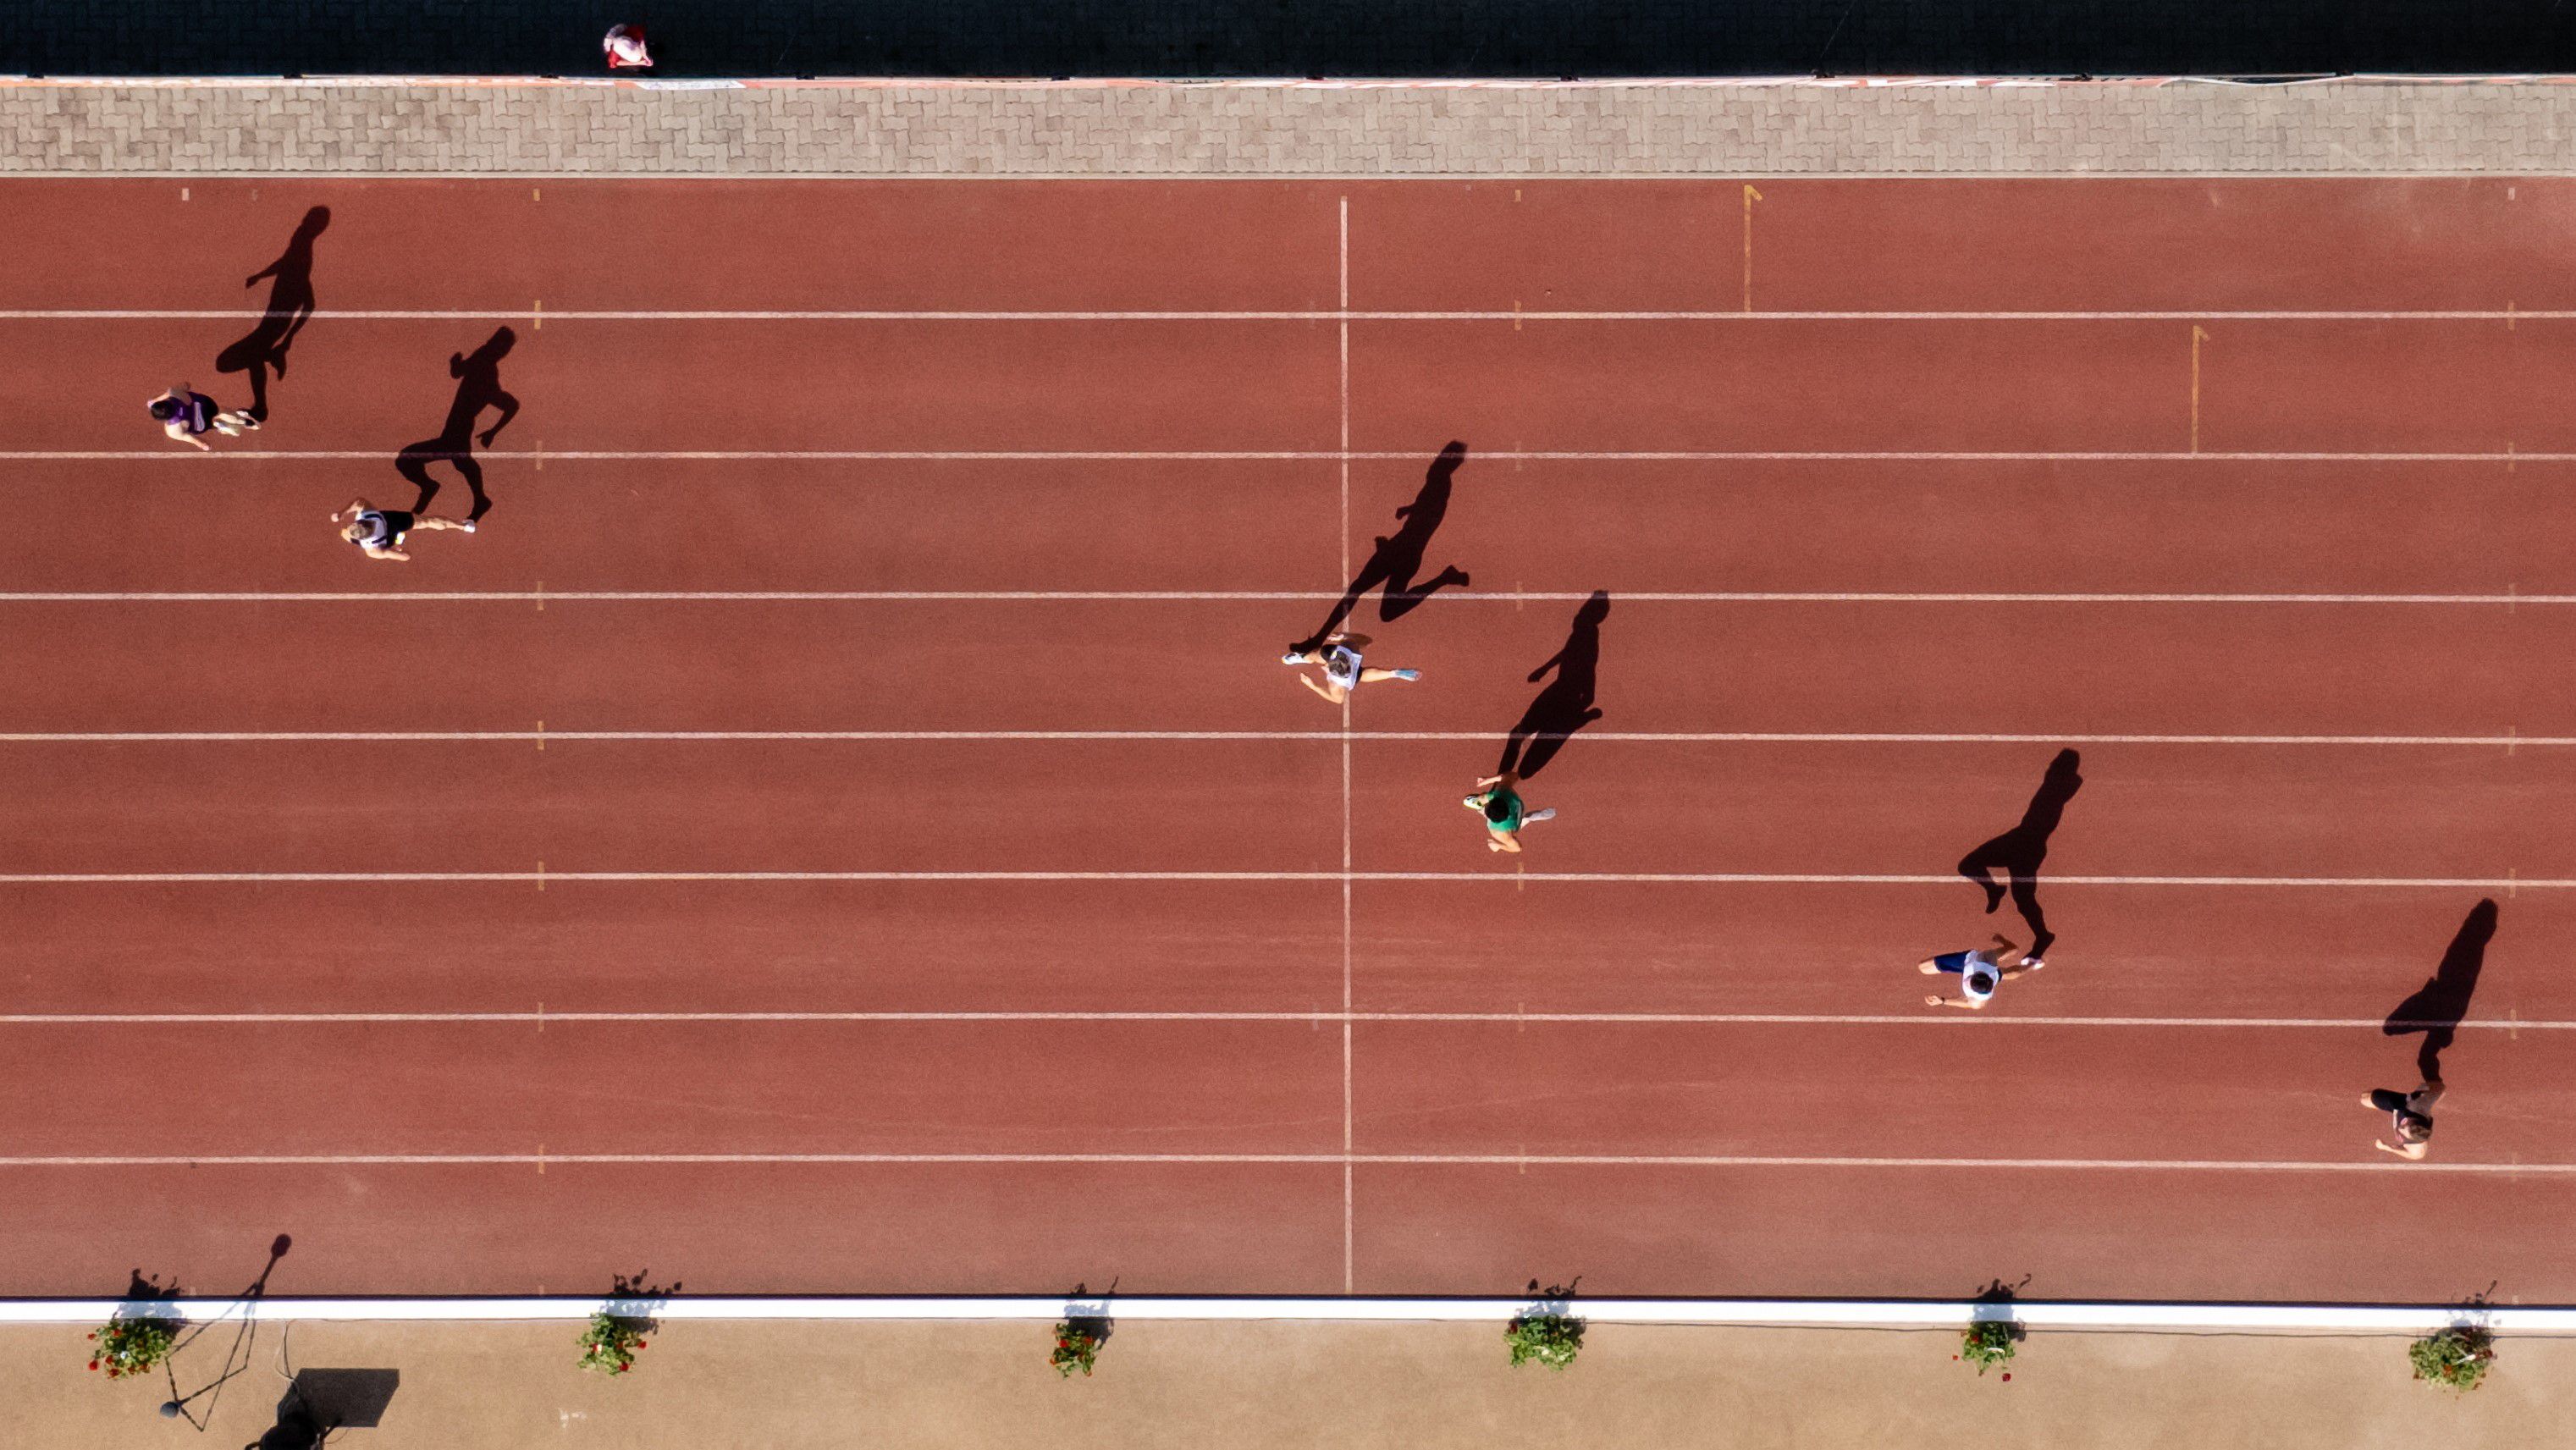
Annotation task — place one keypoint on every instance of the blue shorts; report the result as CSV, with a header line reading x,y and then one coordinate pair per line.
x,y
1951,961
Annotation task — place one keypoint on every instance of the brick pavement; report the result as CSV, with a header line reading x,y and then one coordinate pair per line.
x,y
1285,129
892,1386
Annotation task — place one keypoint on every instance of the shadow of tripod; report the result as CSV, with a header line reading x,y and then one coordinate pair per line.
x,y
236,1358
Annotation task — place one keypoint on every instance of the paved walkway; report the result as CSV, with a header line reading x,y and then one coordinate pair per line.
x,y
1141,129
1251,1386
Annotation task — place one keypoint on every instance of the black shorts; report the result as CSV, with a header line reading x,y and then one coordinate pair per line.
x,y
397,524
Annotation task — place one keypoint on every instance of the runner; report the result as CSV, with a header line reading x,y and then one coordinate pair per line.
x,y
2410,1117
183,413
1339,655
380,531
1499,801
1979,971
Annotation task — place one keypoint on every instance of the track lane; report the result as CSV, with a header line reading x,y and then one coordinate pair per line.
x,y
1800,666
935,806
2113,1093
1644,244
616,243
2153,952
658,386
2014,668
676,947
1963,244
1945,1233
690,525
776,807
1917,809
679,1088
1828,526
1969,385
749,1228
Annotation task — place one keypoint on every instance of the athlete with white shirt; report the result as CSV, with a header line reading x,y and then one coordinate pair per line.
x,y
1340,656
1979,972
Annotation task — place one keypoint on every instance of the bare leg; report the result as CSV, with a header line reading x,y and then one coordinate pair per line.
x,y
1372,674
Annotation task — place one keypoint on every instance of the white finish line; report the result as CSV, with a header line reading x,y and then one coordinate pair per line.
x,y
1342,314
1195,596
1304,455
1771,1313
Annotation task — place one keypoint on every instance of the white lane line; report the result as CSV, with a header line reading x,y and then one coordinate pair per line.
x,y
1301,455
1350,1191
1212,596
1679,878
1430,1160
2133,1316
1345,313
1667,737
2145,1317
551,1017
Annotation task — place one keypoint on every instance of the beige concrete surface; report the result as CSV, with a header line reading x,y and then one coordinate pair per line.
x,y
1097,128
768,1386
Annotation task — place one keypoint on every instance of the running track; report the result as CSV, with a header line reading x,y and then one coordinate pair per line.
x,y
984,909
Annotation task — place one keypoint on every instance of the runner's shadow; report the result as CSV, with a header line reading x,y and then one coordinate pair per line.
x,y
478,387
2020,850
1399,555
1565,705
144,1294
1091,1312
2436,1008
290,305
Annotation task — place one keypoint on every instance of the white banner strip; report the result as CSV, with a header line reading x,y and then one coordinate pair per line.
x,y
1806,1313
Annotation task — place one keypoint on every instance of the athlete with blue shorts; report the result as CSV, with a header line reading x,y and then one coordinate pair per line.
x,y
1978,971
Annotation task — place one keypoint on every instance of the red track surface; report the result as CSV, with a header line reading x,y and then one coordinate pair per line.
x,y
2180,1125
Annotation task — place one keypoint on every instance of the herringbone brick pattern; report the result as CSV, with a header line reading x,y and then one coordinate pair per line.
x,y
1156,129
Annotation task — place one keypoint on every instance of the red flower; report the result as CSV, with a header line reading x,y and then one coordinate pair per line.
x,y
2007,1376
93,1364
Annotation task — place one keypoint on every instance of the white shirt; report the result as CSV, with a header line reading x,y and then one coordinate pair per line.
x,y
1980,967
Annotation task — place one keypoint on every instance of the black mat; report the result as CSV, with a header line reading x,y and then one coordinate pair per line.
x,y
1594,39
